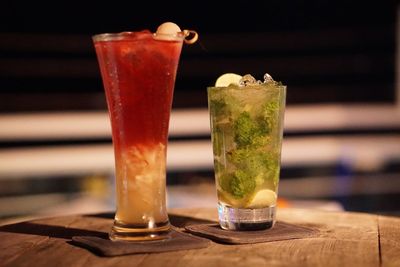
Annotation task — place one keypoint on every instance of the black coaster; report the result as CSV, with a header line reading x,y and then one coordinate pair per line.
x,y
106,247
280,231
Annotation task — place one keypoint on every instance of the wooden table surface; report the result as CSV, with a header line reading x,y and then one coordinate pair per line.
x,y
345,239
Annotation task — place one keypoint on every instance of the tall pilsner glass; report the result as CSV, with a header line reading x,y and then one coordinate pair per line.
x,y
138,72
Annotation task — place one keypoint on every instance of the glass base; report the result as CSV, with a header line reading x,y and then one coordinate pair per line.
x,y
135,232
246,219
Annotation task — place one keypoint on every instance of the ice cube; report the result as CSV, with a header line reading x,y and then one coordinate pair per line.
x,y
268,78
247,80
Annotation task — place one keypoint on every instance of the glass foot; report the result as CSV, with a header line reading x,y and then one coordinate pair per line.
x,y
134,232
246,219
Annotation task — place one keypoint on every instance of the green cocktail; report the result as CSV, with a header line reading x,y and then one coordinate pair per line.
x,y
246,119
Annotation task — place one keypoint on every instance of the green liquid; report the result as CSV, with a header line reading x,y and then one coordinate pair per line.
x,y
246,131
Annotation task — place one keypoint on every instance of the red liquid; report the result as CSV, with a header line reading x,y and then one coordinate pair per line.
x,y
138,74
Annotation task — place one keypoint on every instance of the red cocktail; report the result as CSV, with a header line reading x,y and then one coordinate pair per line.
x,y
138,71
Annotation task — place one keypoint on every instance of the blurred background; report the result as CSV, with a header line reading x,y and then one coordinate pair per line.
x,y
339,59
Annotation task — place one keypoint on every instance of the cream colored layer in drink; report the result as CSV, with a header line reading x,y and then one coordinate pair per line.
x,y
141,185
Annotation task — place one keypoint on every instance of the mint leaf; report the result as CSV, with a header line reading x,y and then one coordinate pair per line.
x,y
241,184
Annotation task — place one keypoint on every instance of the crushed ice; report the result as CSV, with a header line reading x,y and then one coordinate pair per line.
x,y
248,80
268,78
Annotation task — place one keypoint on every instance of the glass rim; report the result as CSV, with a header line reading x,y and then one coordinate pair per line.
x,y
110,36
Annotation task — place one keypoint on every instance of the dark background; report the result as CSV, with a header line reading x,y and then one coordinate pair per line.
x,y
325,51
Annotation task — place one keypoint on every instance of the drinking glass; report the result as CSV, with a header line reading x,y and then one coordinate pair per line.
x,y
138,72
246,131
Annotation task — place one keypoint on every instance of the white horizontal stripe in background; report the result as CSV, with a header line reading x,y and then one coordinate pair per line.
x,y
189,122
361,152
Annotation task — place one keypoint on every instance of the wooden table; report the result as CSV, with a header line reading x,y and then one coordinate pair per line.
x,y
346,239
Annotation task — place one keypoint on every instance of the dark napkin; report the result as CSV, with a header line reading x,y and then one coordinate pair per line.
x,y
105,247
280,231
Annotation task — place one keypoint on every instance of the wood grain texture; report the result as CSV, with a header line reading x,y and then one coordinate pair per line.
x,y
389,235
345,239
